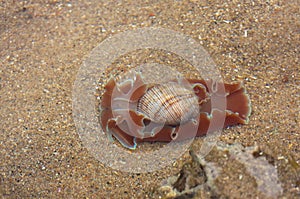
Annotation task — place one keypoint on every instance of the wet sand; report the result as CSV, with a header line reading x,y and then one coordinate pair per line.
x,y
43,45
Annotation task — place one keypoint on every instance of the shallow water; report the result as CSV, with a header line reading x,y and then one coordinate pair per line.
x,y
43,45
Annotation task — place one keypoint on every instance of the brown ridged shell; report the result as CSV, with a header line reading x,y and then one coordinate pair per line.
x,y
169,103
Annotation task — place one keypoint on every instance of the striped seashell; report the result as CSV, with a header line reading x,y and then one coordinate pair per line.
x,y
134,111
169,103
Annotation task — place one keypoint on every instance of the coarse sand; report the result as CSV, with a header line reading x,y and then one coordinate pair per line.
x,y
44,43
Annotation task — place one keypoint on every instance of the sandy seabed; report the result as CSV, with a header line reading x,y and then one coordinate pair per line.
x,y
44,43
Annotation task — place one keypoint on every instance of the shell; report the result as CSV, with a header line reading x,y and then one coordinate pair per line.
x,y
134,111
169,103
